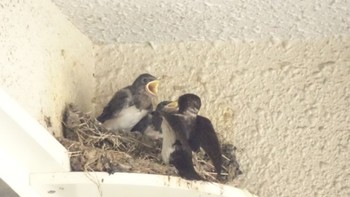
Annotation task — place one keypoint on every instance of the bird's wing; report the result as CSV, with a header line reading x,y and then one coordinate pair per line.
x,y
150,119
157,120
194,140
120,99
208,140
142,125
182,160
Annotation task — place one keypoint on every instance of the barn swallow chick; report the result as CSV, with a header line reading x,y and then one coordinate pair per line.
x,y
185,131
175,147
130,104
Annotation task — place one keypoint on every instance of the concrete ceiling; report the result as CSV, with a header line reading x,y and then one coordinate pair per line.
x,y
134,21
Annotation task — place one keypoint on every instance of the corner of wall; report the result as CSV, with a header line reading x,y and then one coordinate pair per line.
x,y
45,61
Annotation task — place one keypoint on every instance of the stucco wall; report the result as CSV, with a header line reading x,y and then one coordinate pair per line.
x,y
130,21
283,103
45,62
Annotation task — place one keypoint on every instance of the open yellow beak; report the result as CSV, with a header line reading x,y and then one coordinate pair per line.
x,y
173,104
152,87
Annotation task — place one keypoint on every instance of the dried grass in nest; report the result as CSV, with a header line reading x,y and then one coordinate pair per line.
x,y
93,148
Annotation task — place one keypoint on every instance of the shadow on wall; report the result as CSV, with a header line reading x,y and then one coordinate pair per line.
x,y
5,190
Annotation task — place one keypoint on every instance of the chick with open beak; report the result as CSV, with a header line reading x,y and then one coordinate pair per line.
x,y
130,104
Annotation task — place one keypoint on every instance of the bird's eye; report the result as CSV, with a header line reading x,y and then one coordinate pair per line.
x,y
144,80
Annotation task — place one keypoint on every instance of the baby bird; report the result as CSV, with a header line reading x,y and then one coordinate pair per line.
x,y
130,104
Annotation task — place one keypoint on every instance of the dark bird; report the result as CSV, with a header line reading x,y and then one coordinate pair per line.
x,y
185,131
130,104
175,147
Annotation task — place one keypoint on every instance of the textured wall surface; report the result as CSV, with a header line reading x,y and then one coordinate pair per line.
x,y
45,61
124,21
276,85
283,103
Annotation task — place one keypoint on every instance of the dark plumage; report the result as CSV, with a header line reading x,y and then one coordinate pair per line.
x,y
181,158
175,147
204,136
151,124
130,104
183,132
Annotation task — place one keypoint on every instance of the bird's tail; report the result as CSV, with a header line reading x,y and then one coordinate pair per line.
x,y
190,174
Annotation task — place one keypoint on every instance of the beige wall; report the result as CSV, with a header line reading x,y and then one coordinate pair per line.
x,y
283,103
45,62
139,21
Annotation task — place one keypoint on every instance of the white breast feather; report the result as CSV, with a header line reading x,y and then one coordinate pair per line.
x,y
126,119
153,134
169,139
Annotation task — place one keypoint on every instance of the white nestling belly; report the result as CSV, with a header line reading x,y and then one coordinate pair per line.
x,y
169,139
126,119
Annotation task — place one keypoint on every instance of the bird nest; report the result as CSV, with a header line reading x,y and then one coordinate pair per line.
x,y
93,148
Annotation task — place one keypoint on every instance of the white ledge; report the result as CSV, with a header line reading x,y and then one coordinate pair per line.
x,y
26,147
127,184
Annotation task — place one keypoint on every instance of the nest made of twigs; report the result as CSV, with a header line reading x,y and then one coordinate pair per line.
x,y
93,148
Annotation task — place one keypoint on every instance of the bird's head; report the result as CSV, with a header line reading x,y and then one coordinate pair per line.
x,y
189,103
147,81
